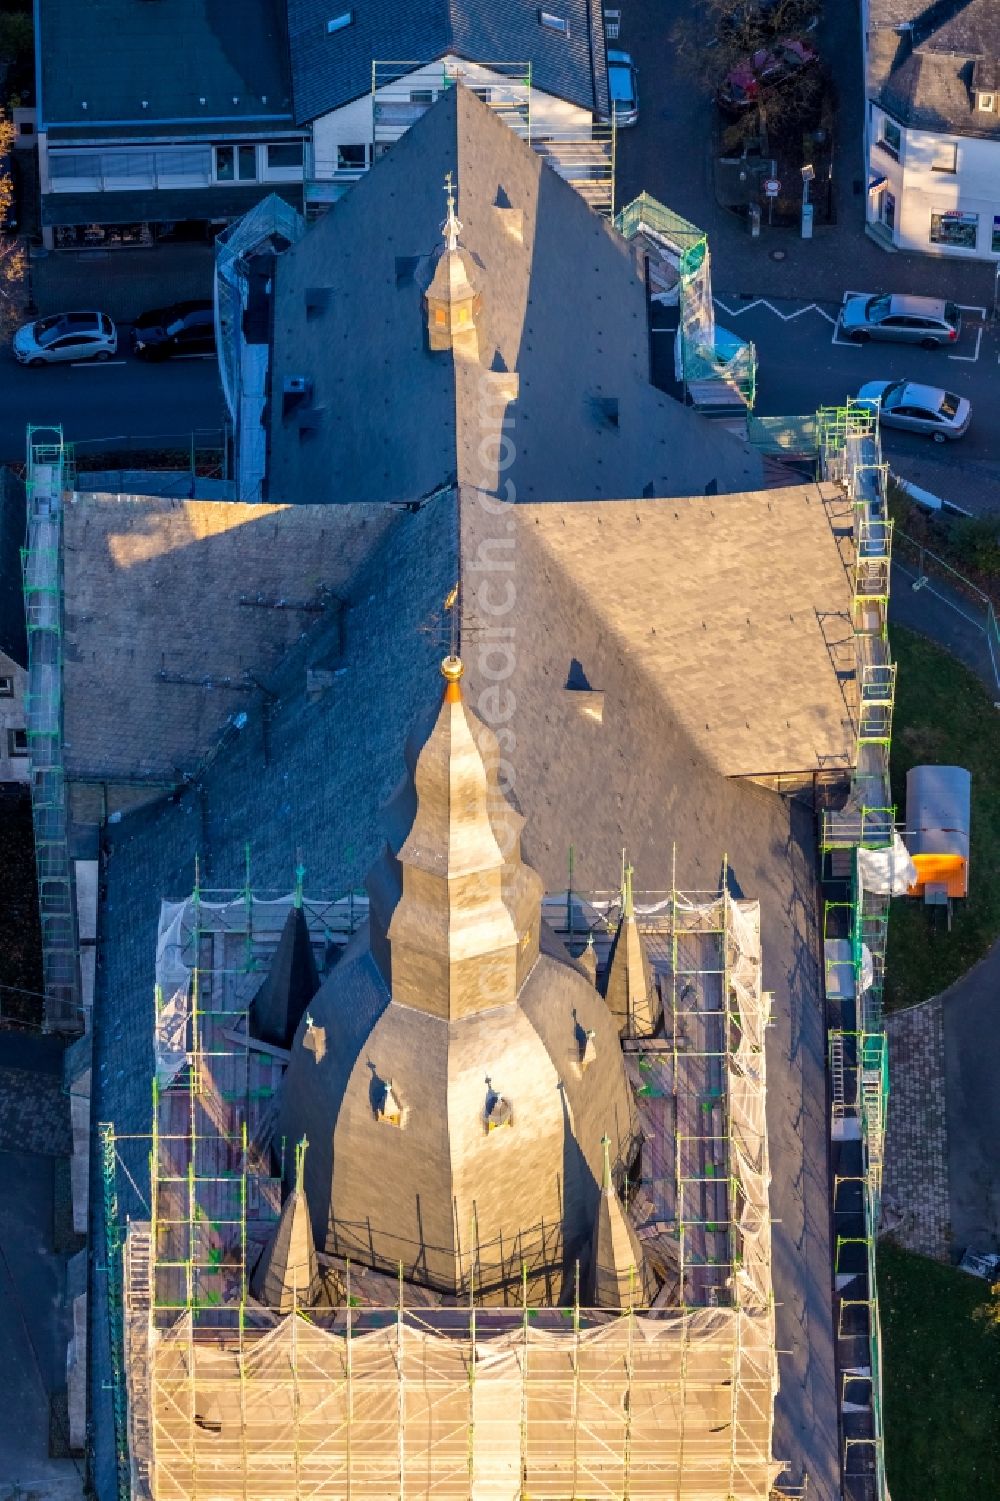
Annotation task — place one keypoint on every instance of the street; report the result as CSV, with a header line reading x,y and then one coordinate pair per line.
x,y
124,398
783,293
805,363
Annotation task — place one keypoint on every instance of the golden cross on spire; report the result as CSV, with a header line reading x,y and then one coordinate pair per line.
x,y
452,226
453,606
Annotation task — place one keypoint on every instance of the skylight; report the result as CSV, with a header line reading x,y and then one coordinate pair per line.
x,y
338,23
552,22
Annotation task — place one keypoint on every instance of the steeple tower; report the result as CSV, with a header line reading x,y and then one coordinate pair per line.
x,y
453,918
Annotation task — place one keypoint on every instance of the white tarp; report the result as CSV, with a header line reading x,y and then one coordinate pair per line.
x,y
887,872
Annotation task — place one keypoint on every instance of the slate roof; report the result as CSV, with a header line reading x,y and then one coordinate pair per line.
x,y
173,53
563,359
176,610
922,62
309,773
329,69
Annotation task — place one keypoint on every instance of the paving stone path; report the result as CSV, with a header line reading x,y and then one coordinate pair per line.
x,y
915,1197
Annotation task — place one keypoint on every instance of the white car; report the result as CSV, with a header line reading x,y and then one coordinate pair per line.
x,y
66,336
919,409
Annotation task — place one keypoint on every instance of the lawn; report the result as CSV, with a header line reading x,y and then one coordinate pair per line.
x,y
943,715
941,1381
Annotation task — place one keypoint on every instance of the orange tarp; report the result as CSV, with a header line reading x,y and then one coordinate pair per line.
x,y
949,871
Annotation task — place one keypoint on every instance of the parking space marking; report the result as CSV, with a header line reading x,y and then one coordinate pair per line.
x,y
85,364
970,359
732,312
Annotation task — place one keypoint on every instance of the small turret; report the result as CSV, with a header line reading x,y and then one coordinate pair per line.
x,y
629,986
621,1278
287,1275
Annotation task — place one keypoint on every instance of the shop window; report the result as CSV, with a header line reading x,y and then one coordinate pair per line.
x,y
956,229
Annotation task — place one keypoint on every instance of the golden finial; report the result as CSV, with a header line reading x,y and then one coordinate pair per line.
x,y
452,669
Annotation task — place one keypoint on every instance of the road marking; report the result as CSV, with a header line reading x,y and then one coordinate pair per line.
x,y
85,364
971,358
810,307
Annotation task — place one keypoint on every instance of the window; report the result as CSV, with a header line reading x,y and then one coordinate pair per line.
x,y
987,102
995,242
421,96
553,23
945,157
956,229
338,23
236,163
6,687
352,158
888,209
890,137
17,742
284,155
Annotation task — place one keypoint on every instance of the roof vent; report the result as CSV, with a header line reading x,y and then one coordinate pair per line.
x,y
295,392
606,410
499,1111
318,299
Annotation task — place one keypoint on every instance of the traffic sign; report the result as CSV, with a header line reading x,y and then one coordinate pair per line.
x,y
772,187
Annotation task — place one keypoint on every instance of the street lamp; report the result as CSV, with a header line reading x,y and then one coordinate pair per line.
x,y
808,174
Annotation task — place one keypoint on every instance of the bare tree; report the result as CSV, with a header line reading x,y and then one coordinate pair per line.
x,y
722,33
13,261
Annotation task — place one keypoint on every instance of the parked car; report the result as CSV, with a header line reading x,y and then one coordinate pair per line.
x,y
903,319
66,336
919,409
768,66
184,328
623,86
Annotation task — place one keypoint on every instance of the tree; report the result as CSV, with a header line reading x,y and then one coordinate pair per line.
x,y
722,33
13,261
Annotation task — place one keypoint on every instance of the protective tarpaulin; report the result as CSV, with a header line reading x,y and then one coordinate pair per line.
x,y
887,872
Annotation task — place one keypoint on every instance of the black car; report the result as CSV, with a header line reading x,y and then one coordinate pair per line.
x,y
185,328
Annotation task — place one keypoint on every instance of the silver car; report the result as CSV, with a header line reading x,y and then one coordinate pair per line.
x,y
919,409
66,336
623,87
903,319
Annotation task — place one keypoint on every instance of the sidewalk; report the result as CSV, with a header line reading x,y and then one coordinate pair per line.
x,y
121,283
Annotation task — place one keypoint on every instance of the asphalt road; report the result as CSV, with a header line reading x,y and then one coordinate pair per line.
x,y
803,363
123,398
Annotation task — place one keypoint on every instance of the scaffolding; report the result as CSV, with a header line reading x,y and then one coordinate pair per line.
x,y
49,477
717,370
377,1386
859,843
583,154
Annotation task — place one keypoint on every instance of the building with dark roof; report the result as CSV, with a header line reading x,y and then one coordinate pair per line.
x,y
362,75
543,392
161,121
933,125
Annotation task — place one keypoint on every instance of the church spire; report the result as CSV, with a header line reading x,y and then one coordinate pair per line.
x,y
446,930
629,986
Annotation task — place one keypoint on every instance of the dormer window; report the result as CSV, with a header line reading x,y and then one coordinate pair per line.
x,y
987,103
552,22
